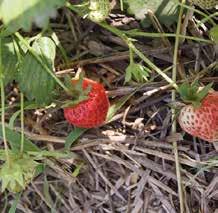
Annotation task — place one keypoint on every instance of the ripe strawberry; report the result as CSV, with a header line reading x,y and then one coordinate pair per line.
x,y
91,112
207,4
201,121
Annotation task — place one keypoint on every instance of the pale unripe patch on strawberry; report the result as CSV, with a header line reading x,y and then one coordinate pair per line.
x,y
186,114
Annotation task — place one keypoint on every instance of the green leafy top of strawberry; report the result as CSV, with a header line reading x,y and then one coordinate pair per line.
x,y
77,92
190,93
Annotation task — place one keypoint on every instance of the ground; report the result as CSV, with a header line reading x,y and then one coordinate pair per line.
x,y
128,164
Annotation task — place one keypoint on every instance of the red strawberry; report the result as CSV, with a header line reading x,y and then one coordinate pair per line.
x,y
201,121
91,112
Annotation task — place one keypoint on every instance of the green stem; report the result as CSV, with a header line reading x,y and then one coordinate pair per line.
x,y
131,57
121,5
22,122
139,53
154,67
3,106
40,61
174,75
159,35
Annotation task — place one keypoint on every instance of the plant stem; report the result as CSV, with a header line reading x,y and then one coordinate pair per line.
x,y
206,19
121,5
174,75
131,57
3,107
138,52
129,42
159,35
22,122
17,34
158,70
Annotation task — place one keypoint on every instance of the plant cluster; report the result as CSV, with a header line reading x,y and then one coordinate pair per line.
x,y
29,62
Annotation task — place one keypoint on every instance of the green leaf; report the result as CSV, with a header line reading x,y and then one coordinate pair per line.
x,y
128,75
202,93
77,92
34,81
137,72
73,136
13,118
9,60
46,193
190,93
214,34
165,10
68,82
19,173
2,154
11,177
14,139
183,91
17,14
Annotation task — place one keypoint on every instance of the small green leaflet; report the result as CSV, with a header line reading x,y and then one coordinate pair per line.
x,y
77,91
136,72
73,136
17,14
13,118
33,79
202,93
165,10
190,93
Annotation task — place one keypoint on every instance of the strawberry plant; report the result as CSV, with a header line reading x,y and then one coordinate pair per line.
x,y
136,58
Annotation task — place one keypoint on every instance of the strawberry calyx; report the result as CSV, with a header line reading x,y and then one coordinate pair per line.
x,y
193,94
77,92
